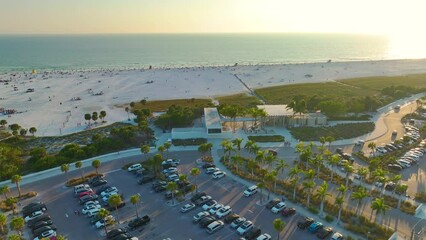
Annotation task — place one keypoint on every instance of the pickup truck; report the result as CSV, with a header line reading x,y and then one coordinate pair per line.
x,y
138,222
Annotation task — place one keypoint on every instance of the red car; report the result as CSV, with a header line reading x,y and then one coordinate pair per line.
x,y
288,211
85,193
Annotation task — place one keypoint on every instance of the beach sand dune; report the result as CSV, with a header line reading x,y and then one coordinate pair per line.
x,y
61,98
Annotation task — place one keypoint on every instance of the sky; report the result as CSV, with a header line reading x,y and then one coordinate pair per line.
x,y
384,17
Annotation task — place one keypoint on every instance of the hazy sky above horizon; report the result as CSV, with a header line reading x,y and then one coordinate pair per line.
x,y
393,17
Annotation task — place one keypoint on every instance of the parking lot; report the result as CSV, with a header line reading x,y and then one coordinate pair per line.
x,y
166,221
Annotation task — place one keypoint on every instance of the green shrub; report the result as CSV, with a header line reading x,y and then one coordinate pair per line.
x,y
313,210
339,131
329,218
189,141
266,138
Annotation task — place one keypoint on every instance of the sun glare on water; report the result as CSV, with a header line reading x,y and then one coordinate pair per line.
x,y
409,46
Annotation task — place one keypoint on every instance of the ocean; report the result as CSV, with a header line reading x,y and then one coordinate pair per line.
x,y
42,52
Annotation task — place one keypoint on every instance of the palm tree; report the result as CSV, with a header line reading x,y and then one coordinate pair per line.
x,y
94,116
32,130
203,150
103,214
260,157
359,196
261,186
228,150
270,159
4,190
400,191
297,104
379,206
3,123
372,146
269,178
3,222
65,168
96,164
322,193
88,117
161,149
278,226
281,165
17,224
102,115
309,186
318,162
167,146
145,150
333,161
135,199
362,172
237,144
323,140
172,186
127,109
237,161
156,164
342,190
14,237
78,165
195,172
348,170
309,174
330,139
11,203
115,201
250,166
294,174
16,179
339,203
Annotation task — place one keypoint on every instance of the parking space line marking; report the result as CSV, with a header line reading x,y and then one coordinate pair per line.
x,y
112,171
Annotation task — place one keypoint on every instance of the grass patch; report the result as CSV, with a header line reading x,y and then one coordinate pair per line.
x,y
340,131
79,180
266,138
241,99
5,208
377,83
163,105
4,134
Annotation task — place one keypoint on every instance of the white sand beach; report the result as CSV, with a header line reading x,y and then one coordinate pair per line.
x,y
61,98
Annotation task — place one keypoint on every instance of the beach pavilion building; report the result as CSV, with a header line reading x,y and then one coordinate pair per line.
x,y
281,116
212,121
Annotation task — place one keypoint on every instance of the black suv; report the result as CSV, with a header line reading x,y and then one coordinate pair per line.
x,y
32,222
111,208
197,196
27,210
272,203
41,224
138,222
305,222
146,179
253,233
39,231
115,232
231,217
206,221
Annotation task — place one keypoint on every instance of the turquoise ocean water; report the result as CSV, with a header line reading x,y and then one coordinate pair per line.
x,y
25,52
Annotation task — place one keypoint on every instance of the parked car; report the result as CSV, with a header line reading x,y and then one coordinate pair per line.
x,y
99,183
160,189
187,207
32,222
90,207
115,232
202,200
218,175
206,221
158,183
146,179
237,222
108,220
231,217
88,198
112,208
250,191
277,208
46,234
95,179
102,188
214,226
34,208
223,212
197,196
253,233
208,165
93,212
264,236
209,204
200,216
288,211
324,232
215,208
245,227
33,215
123,236
306,222
337,236
41,224
272,203
134,167
108,191
138,222
314,227
211,170
39,231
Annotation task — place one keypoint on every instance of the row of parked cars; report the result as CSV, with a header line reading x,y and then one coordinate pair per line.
x,y
215,215
318,228
40,224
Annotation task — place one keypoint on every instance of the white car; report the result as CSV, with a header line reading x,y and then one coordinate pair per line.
x,y
134,167
187,207
211,170
81,188
46,235
33,215
101,223
237,222
106,197
223,212
209,205
215,208
90,207
278,207
93,212
108,191
218,175
245,227
200,216
264,236
337,236
214,226
170,170
173,177
250,191
91,203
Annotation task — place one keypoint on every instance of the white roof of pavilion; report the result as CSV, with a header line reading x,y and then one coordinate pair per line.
x,y
276,110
